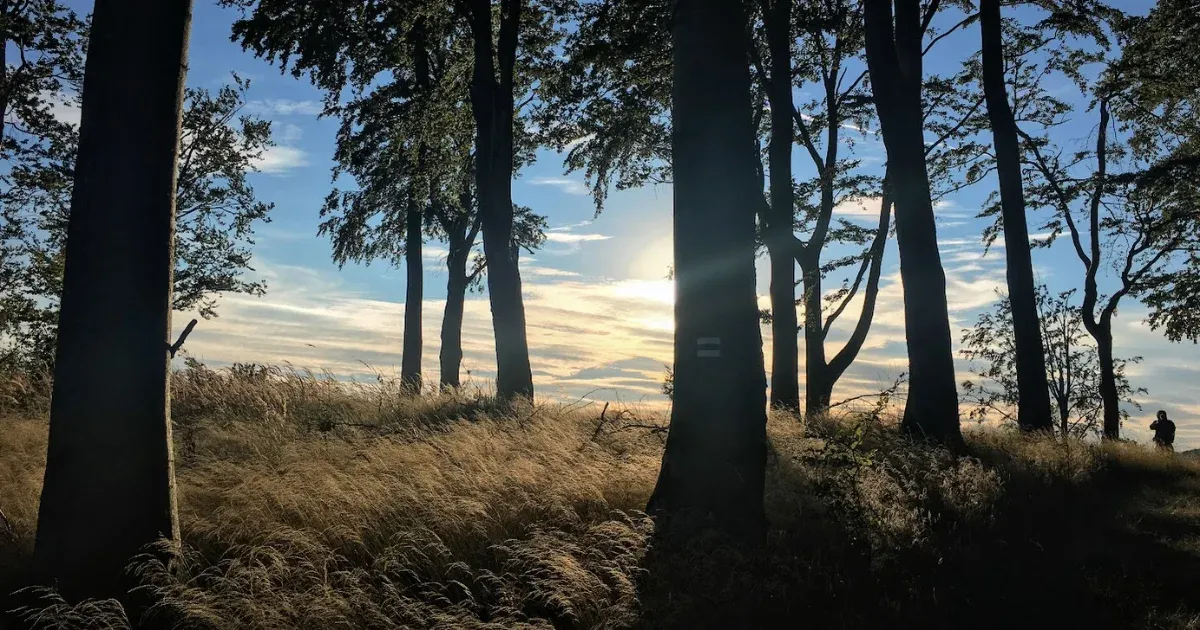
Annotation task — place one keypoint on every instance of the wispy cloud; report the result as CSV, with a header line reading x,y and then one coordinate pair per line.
x,y
278,160
569,186
567,237
284,107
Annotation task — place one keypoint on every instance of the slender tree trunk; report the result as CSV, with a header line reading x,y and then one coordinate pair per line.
x,y
842,360
894,62
456,296
414,294
1108,381
1064,417
4,18
109,485
785,351
493,107
714,464
1033,398
815,372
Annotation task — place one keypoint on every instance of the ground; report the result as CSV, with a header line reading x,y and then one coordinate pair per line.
x,y
306,503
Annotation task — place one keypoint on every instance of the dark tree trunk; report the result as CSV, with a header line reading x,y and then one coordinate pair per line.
x,y
894,62
785,350
109,484
414,293
492,104
4,17
815,372
841,361
456,295
1033,398
713,467
1108,380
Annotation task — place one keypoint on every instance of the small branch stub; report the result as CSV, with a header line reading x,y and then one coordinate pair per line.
x,y
174,347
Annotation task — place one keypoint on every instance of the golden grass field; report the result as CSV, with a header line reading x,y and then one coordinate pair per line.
x,y
311,503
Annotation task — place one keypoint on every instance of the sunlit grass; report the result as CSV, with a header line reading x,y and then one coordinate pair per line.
x,y
307,502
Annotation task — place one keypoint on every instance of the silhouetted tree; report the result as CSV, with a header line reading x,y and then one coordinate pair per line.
x,y
894,58
349,44
1072,377
109,484
1033,401
714,464
411,153
216,213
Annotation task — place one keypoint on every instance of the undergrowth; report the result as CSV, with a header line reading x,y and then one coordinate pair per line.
x,y
306,502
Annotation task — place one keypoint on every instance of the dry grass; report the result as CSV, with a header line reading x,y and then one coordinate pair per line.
x,y
309,503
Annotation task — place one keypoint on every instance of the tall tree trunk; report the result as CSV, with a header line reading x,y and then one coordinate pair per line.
x,y
1033,398
456,296
841,361
1108,379
492,104
714,464
894,63
815,381
414,293
4,18
785,369
109,484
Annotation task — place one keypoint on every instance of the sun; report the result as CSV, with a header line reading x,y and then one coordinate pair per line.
x,y
654,261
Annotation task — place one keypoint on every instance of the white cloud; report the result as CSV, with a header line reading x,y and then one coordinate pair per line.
x,y
569,186
65,111
565,237
284,107
578,141
286,133
278,160
859,207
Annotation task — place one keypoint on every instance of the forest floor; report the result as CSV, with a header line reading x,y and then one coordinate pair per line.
x,y
307,503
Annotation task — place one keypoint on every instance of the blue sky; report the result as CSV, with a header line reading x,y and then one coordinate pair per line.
x,y
598,304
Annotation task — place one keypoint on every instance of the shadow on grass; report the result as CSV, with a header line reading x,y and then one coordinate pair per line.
x,y
1111,549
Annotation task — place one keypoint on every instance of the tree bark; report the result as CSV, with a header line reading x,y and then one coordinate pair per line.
x,y
109,483
492,104
1108,381
894,63
456,296
1033,398
714,464
414,293
841,361
785,350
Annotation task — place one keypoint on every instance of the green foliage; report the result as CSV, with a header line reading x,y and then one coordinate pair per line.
x,y
216,214
1072,367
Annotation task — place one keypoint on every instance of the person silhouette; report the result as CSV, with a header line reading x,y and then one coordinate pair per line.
x,y
1164,432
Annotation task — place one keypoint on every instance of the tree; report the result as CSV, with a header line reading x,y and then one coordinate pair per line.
x,y
830,41
1033,402
894,52
714,464
35,145
216,214
1143,228
109,485
608,112
1072,376
352,45
412,158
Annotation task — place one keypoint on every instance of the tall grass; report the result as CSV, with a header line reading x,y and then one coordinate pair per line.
x,y
307,502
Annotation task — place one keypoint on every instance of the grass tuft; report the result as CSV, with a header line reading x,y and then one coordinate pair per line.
x,y
307,502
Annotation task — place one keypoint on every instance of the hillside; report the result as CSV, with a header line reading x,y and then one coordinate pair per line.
x,y
306,503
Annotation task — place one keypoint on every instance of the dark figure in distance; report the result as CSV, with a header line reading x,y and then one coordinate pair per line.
x,y
1164,432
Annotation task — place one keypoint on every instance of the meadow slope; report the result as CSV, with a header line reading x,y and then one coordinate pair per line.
x,y
308,503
